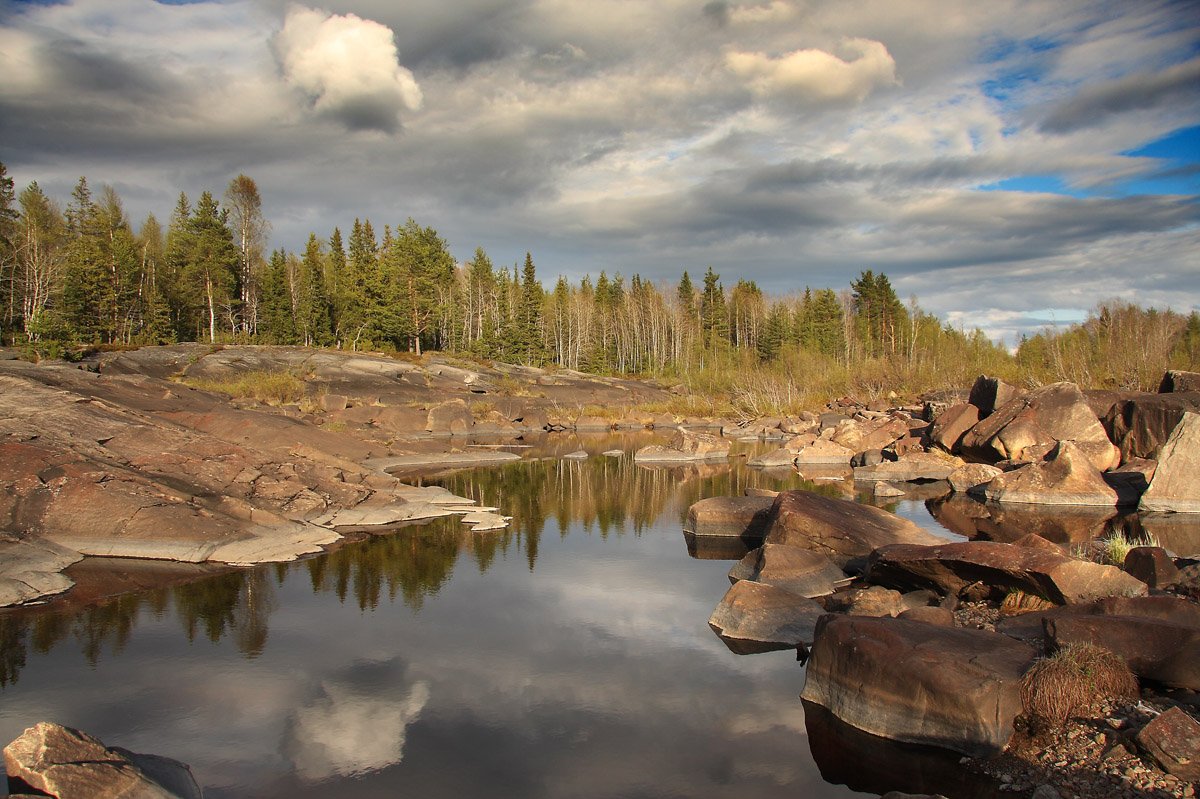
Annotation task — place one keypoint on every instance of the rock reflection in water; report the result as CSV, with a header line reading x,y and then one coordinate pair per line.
x,y
1062,524
863,762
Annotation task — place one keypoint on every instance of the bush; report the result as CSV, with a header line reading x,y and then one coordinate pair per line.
x,y
1074,682
271,388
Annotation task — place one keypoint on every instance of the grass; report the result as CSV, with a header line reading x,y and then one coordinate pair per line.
x,y
1114,547
1018,602
1074,682
268,387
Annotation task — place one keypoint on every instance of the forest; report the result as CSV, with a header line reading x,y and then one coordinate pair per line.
x,y
79,276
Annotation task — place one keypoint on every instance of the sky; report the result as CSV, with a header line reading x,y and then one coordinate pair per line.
x,y
1009,164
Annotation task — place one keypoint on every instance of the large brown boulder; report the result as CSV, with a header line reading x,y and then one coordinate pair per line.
x,y
800,571
741,517
1177,380
1176,483
69,764
993,569
1064,477
838,528
823,451
990,393
1141,424
1163,650
1026,427
948,429
860,434
756,617
906,680
1172,740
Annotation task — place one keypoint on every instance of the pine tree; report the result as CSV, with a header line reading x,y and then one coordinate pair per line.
x,y
312,306
529,316
714,315
277,321
209,271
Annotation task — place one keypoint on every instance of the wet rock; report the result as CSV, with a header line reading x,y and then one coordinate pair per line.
x,y
824,451
1065,477
577,455
685,446
1141,424
972,477
1172,740
949,428
1175,486
909,681
1152,565
756,617
1045,416
837,528
799,571
69,764
990,393
592,424
998,568
887,490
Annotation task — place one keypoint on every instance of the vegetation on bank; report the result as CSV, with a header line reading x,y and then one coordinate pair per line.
x,y
81,276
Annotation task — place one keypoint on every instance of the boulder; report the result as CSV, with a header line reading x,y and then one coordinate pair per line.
x,y
1175,486
868,457
914,466
451,417
972,476
30,569
824,451
1177,380
873,600
686,446
949,428
905,680
1065,477
837,528
990,393
993,569
799,571
929,614
887,490
1152,565
902,447
1058,412
777,457
1172,740
756,617
69,764
874,434
1141,424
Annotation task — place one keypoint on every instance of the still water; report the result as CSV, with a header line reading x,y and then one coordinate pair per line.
x,y
566,656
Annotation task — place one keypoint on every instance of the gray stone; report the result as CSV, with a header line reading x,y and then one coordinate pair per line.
x,y
972,476
686,446
756,617
912,467
1175,486
799,571
730,516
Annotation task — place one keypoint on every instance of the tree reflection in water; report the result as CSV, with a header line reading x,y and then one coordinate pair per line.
x,y
603,495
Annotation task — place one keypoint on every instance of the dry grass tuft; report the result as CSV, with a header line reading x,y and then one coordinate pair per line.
x,y
271,388
1074,682
1018,602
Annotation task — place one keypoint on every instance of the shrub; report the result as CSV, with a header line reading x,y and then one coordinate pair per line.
x,y
272,388
1073,682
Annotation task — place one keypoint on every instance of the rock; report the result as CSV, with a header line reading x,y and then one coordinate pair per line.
x,y
756,617
949,427
333,402
30,569
949,687
1175,486
952,568
1172,740
824,451
798,571
888,490
1178,380
990,393
686,446
873,600
613,453
1058,412
1163,650
1131,479
903,447
1009,522
912,467
739,517
1152,565
837,528
664,421
70,764
858,435
942,617
1065,477
452,417
577,455
777,457
972,476
1141,424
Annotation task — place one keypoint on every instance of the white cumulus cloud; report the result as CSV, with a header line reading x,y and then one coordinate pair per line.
x,y
348,66
815,75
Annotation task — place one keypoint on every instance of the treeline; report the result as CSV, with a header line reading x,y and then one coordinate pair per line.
x,y
81,276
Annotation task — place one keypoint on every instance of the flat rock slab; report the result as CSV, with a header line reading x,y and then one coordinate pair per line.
x,y
1173,742
30,570
755,617
799,571
837,528
823,451
999,568
686,446
471,458
949,687
914,466
70,764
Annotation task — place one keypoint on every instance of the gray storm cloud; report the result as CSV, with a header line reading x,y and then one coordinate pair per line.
x,y
348,66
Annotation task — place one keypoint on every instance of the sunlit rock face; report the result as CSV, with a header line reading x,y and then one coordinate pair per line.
x,y
909,681
357,725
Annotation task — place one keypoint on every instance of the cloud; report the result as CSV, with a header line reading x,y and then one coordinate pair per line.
x,y
1144,90
349,68
815,75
